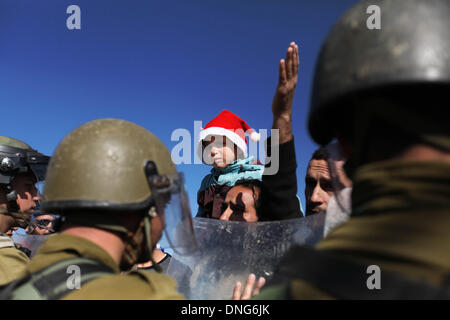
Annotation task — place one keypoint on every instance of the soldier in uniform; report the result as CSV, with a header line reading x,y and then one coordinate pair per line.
x,y
384,95
20,168
117,187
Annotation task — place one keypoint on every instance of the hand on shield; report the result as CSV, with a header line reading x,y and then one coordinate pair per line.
x,y
250,290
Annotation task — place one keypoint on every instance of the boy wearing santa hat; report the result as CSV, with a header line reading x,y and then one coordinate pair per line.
x,y
223,144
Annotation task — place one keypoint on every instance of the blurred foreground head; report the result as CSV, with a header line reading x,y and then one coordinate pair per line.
x,y
384,94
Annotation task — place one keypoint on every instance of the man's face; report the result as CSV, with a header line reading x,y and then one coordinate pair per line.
x,y
239,205
319,186
219,152
27,193
41,225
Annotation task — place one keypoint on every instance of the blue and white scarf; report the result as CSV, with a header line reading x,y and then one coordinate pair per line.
x,y
237,170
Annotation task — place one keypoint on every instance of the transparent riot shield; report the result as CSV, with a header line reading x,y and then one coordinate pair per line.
x,y
228,251
338,212
339,179
30,241
340,204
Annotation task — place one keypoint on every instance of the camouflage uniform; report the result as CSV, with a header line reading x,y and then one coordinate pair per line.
x,y
137,285
12,261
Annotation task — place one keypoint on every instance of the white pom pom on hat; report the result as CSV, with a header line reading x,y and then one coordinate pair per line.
x,y
255,136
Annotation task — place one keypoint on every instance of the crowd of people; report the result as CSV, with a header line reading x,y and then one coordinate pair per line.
x,y
380,174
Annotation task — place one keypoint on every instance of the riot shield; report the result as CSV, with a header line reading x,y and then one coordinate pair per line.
x,y
30,241
228,251
338,210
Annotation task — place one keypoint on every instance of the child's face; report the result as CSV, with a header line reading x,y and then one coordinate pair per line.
x,y
219,152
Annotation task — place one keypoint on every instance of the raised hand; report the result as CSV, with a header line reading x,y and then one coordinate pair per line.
x,y
287,82
284,94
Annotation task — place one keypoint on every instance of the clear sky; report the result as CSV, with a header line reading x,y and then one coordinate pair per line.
x,y
160,64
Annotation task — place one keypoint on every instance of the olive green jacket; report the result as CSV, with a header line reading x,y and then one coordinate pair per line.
x,y
400,222
136,285
12,261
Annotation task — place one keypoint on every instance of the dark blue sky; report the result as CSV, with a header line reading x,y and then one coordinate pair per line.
x,y
160,64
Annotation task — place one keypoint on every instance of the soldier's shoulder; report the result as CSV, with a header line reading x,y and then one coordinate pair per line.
x,y
136,285
13,263
13,254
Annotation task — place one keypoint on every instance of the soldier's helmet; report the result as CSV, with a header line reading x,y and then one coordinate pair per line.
x,y
112,165
408,55
18,157
101,165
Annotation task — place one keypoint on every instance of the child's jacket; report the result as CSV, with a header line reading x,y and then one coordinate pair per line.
x,y
215,185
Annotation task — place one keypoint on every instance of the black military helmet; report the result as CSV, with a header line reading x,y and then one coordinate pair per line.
x,y
16,157
410,52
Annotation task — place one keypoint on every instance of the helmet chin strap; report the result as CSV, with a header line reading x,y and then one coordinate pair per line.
x,y
137,244
11,197
148,233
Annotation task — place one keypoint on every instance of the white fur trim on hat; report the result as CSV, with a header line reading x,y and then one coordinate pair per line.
x,y
219,131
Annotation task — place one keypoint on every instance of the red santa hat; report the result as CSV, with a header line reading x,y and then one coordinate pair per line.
x,y
231,126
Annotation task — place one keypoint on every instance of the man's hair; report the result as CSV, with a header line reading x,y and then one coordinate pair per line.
x,y
320,154
252,184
